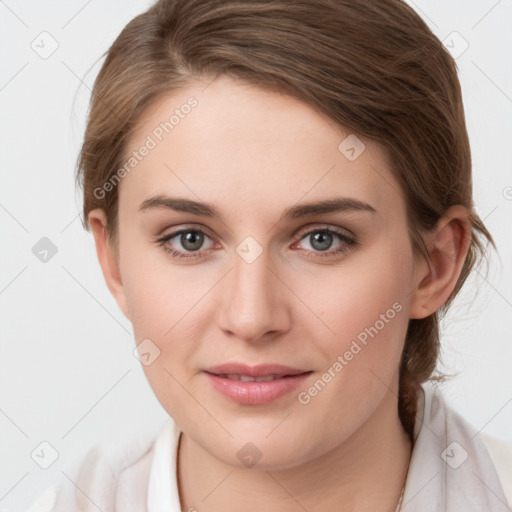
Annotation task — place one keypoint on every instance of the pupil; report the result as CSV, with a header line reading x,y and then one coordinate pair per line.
x,y
192,240
322,241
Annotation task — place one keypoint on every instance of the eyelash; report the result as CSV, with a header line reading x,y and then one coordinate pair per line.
x,y
348,243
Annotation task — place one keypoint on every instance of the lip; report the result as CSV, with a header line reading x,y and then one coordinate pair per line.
x,y
255,393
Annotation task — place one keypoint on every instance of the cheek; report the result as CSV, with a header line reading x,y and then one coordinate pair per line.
x,y
166,304
161,303
365,306
157,293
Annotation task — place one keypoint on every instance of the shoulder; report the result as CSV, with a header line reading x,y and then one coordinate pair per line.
x,y
501,454
100,479
441,434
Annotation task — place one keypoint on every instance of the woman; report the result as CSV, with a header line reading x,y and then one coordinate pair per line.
x,y
280,196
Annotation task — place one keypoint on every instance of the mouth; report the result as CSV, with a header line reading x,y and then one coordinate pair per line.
x,y
255,385
248,378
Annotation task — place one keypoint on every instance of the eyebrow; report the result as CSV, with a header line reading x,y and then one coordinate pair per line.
x,y
334,205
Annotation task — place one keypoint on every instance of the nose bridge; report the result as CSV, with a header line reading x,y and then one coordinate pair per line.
x,y
251,306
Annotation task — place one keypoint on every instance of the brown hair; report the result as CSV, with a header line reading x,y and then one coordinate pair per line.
x,y
373,66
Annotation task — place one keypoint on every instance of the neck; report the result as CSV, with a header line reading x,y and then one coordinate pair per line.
x,y
365,473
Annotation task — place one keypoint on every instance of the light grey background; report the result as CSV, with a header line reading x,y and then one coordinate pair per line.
x,y
68,374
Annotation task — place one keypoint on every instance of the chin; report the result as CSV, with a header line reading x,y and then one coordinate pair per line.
x,y
254,449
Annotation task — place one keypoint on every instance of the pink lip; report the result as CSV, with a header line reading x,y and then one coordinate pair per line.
x,y
255,393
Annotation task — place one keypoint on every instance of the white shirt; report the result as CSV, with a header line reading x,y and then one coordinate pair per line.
x,y
443,471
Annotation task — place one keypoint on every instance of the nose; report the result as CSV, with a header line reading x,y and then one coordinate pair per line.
x,y
254,304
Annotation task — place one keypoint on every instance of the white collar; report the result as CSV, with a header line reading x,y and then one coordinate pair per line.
x,y
163,482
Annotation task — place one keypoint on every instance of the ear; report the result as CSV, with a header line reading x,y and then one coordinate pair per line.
x,y
447,244
107,257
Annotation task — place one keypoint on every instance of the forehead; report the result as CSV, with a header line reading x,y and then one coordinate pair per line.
x,y
235,144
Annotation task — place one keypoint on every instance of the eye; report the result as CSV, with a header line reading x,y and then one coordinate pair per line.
x,y
321,241
190,240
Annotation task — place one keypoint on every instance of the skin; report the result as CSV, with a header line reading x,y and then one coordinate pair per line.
x,y
253,153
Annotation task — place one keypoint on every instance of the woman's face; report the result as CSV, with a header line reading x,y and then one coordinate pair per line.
x,y
257,278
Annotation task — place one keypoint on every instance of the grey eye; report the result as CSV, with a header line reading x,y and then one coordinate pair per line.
x,y
321,240
191,240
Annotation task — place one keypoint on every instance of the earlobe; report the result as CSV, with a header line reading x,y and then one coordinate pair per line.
x,y
108,260
448,244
